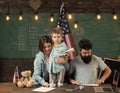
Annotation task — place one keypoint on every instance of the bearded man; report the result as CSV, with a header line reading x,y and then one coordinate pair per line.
x,y
84,68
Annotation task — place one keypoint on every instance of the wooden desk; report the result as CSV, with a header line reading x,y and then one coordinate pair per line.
x,y
57,90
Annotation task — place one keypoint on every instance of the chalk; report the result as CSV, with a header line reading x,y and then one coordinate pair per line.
x,y
69,90
77,88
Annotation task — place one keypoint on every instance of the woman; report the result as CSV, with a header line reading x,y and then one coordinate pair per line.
x,y
40,74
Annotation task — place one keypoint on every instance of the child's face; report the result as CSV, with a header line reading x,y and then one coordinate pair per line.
x,y
57,38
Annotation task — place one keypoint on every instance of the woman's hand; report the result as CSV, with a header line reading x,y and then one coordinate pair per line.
x,y
45,84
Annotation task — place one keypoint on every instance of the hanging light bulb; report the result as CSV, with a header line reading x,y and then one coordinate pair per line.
x,y
76,25
8,12
98,16
70,16
114,16
36,17
20,16
7,17
51,18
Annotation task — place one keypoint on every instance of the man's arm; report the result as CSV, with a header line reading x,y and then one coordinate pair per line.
x,y
71,74
106,74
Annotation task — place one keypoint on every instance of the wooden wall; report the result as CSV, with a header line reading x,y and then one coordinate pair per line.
x,y
7,67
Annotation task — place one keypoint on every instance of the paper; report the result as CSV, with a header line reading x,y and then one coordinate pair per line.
x,y
69,50
94,85
98,89
43,89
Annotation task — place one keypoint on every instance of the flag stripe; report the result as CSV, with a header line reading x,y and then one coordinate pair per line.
x,y
69,44
16,75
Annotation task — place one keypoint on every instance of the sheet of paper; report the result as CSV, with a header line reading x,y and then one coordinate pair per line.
x,y
43,89
89,85
69,50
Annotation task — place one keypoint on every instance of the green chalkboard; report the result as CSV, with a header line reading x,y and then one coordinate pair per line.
x,y
20,39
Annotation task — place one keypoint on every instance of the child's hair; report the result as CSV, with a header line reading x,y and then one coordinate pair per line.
x,y
57,30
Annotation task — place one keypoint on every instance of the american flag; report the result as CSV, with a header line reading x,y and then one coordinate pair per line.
x,y
16,75
63,23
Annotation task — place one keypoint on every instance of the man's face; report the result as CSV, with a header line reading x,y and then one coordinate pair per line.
x,y
86,55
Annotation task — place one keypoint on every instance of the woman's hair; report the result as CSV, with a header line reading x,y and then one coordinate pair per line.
x,y
44,39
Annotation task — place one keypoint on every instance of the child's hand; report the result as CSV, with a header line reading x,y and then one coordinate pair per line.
x,y
67,54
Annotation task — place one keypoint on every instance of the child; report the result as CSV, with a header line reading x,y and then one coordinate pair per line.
x,y
57,71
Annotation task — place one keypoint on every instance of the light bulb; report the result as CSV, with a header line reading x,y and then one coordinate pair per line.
x,y
7,17
20,17
76,25
70,16
114,16
98,16
36,17
51,19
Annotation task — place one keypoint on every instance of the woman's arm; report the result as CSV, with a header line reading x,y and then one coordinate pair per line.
x,y
38,70
61,60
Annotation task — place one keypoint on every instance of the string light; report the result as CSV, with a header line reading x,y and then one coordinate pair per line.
x,y
75,24
114,16
8,12
69,16
20,16
51,18
7,17
36,17
98,16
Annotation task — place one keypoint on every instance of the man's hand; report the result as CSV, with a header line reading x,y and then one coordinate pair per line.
x,y
99,81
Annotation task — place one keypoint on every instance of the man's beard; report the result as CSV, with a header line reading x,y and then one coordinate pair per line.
x,y
86,59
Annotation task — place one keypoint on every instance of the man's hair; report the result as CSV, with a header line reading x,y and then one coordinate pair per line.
x,y
85,44
57,30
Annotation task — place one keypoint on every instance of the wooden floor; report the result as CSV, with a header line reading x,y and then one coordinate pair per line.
x,y
6,87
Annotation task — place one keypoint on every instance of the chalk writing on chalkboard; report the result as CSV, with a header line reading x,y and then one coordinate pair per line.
x,y
21,38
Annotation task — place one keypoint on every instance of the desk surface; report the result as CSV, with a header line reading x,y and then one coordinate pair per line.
x,y
57,90
86,89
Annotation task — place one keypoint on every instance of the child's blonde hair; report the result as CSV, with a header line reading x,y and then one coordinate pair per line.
x,y
57,30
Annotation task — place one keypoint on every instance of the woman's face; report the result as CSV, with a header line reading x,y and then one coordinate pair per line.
x,y
47,48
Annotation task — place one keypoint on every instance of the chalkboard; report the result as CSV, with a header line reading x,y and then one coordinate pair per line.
x,y
19,39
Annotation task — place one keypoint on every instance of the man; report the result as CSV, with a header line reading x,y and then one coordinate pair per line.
x,y
84,67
